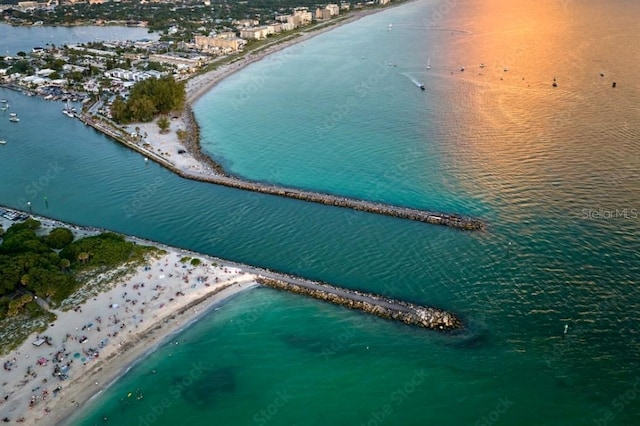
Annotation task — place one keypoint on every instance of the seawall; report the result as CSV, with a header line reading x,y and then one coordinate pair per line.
x,y
397,310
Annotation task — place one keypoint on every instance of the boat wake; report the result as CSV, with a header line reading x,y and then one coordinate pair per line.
x,y
414,81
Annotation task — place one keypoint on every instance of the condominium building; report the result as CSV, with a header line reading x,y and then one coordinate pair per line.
x,y
257,33
226,42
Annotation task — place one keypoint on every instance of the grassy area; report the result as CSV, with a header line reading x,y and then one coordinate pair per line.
x,y
15,330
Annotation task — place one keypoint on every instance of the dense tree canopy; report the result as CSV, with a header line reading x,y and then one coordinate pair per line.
x,y
149,98
28,266
58,238
46,266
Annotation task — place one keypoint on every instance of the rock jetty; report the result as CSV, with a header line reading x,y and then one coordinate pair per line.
x,y
397,310
219,177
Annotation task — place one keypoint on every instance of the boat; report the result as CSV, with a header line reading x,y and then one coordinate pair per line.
x,y
2,142
421,86
13,117
429,63
68,110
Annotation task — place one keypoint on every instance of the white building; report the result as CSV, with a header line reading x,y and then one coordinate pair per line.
x,y
333,9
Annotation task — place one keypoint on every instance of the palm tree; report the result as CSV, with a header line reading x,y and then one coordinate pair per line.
x,y
24,280
83,257
64,264
164,124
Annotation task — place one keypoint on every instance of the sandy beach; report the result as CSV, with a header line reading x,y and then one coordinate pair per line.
x,y
50,376
187,157
201,84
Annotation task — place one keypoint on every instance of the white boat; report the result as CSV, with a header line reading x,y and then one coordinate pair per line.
x,y
2,142
68,110
429,63
13,117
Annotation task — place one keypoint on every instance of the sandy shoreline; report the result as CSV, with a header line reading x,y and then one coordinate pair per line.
x,y
199,85
94,343
98,341
185,157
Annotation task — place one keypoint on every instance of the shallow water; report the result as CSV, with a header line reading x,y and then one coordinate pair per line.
x,y
553,171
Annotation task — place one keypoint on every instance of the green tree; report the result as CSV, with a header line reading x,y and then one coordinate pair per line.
x,y
22,66
150,97
59,238
75,76
157,66
119,111
142,108
164,124
83,257
65,264
16,305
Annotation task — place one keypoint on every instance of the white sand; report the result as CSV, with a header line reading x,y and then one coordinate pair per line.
x,y
122,334
118,325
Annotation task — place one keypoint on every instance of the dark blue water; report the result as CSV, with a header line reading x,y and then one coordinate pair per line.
x,y
554,172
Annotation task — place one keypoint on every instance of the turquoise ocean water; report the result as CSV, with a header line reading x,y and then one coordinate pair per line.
x,y
553,171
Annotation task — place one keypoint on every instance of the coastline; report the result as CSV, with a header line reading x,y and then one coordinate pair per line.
x,y
179,150
100,339
138,311
199,85
145,344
